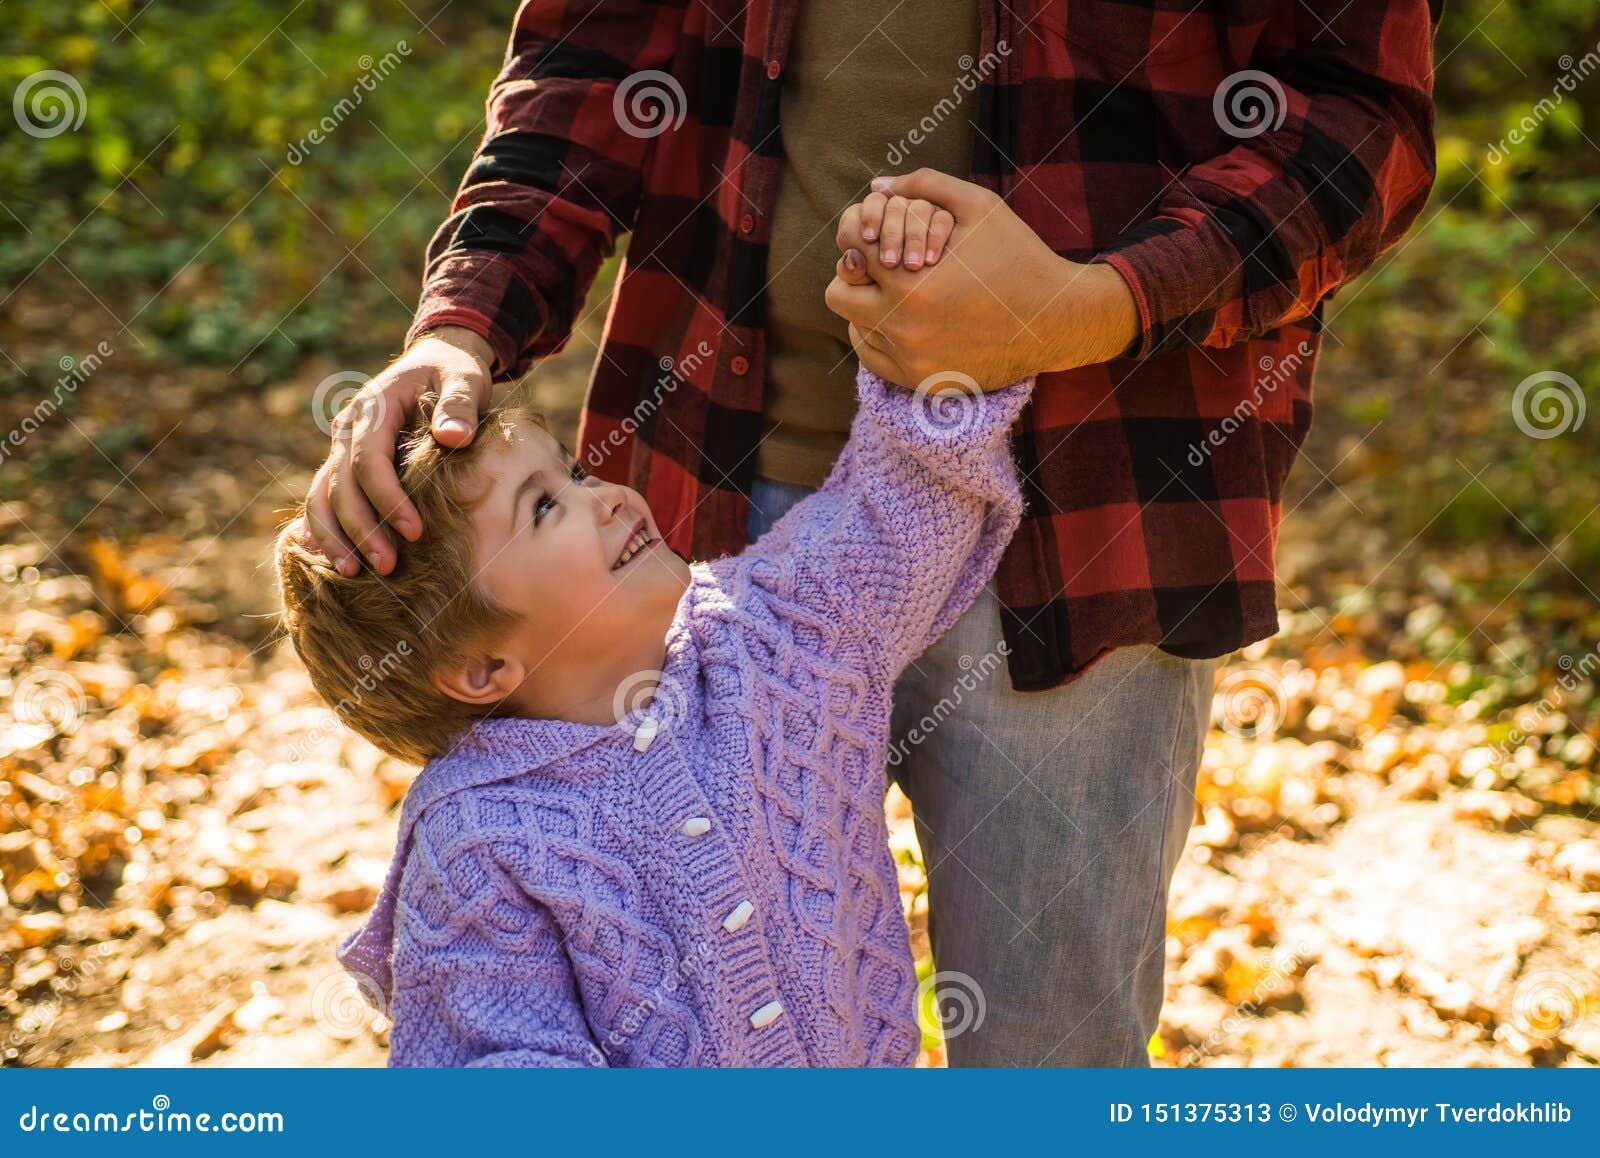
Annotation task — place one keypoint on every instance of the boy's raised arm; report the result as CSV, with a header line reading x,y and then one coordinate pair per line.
x,y
912,522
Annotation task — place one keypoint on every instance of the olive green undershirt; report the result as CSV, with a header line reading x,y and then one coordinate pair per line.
x,y
861,78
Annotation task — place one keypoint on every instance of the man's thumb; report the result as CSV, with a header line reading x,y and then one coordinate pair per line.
x,y
455,418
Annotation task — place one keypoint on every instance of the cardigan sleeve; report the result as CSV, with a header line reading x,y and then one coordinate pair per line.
x,y
481,974
911,524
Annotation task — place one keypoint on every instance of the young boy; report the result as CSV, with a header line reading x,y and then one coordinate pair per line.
x,y
650,827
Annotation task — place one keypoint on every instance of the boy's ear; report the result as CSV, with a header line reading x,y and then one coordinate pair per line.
x,y
483,680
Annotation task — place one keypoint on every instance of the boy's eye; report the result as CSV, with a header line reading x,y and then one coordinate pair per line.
x,y
546,502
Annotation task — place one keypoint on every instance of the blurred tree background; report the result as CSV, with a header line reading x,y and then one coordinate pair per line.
x,y
230,265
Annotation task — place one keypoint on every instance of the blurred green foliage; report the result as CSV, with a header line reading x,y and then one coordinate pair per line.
x,y
178,188
178,206
1496,283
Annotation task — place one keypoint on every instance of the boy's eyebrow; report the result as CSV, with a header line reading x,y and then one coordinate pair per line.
x,y
533,480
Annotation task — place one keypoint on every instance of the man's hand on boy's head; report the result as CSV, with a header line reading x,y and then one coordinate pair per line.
x,y
357,488
999,306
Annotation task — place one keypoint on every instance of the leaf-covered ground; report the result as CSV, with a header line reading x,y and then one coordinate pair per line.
x,y
1395,858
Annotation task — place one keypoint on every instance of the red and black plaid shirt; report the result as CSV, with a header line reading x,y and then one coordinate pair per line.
x,y
1118,129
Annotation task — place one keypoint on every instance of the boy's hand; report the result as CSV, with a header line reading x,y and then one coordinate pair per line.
x,y
357,487
911,232
1003,307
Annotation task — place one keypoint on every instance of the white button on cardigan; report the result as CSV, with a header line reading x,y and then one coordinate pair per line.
x,y
766,1015
735,920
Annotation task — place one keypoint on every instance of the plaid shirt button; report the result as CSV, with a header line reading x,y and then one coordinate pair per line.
x,y
747,224
740,364
773,69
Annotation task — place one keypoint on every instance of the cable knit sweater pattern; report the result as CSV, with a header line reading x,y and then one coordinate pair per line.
x,y
709,882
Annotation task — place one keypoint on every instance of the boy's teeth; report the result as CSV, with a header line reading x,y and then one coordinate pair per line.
x,y
635,545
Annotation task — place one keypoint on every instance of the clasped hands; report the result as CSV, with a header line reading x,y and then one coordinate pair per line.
x,y
937,276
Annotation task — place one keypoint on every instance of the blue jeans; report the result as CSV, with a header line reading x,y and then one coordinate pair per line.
x,y
1050,823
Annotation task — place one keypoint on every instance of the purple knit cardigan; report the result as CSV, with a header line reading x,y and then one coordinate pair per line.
x,y
708,883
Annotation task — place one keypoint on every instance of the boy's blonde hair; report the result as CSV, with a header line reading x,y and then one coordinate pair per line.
x,y
373,642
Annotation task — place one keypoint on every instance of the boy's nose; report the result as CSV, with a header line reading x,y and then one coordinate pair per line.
x,y
612,502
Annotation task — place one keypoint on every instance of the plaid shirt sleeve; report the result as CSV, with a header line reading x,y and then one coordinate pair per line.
x,y
556,178
1252,239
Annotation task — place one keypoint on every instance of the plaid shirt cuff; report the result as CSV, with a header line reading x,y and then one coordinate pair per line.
x,y
465,292
1178,273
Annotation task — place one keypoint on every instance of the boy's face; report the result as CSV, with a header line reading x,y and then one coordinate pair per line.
x,y
579,561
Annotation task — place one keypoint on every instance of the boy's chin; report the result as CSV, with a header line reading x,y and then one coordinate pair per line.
x,y
663,585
